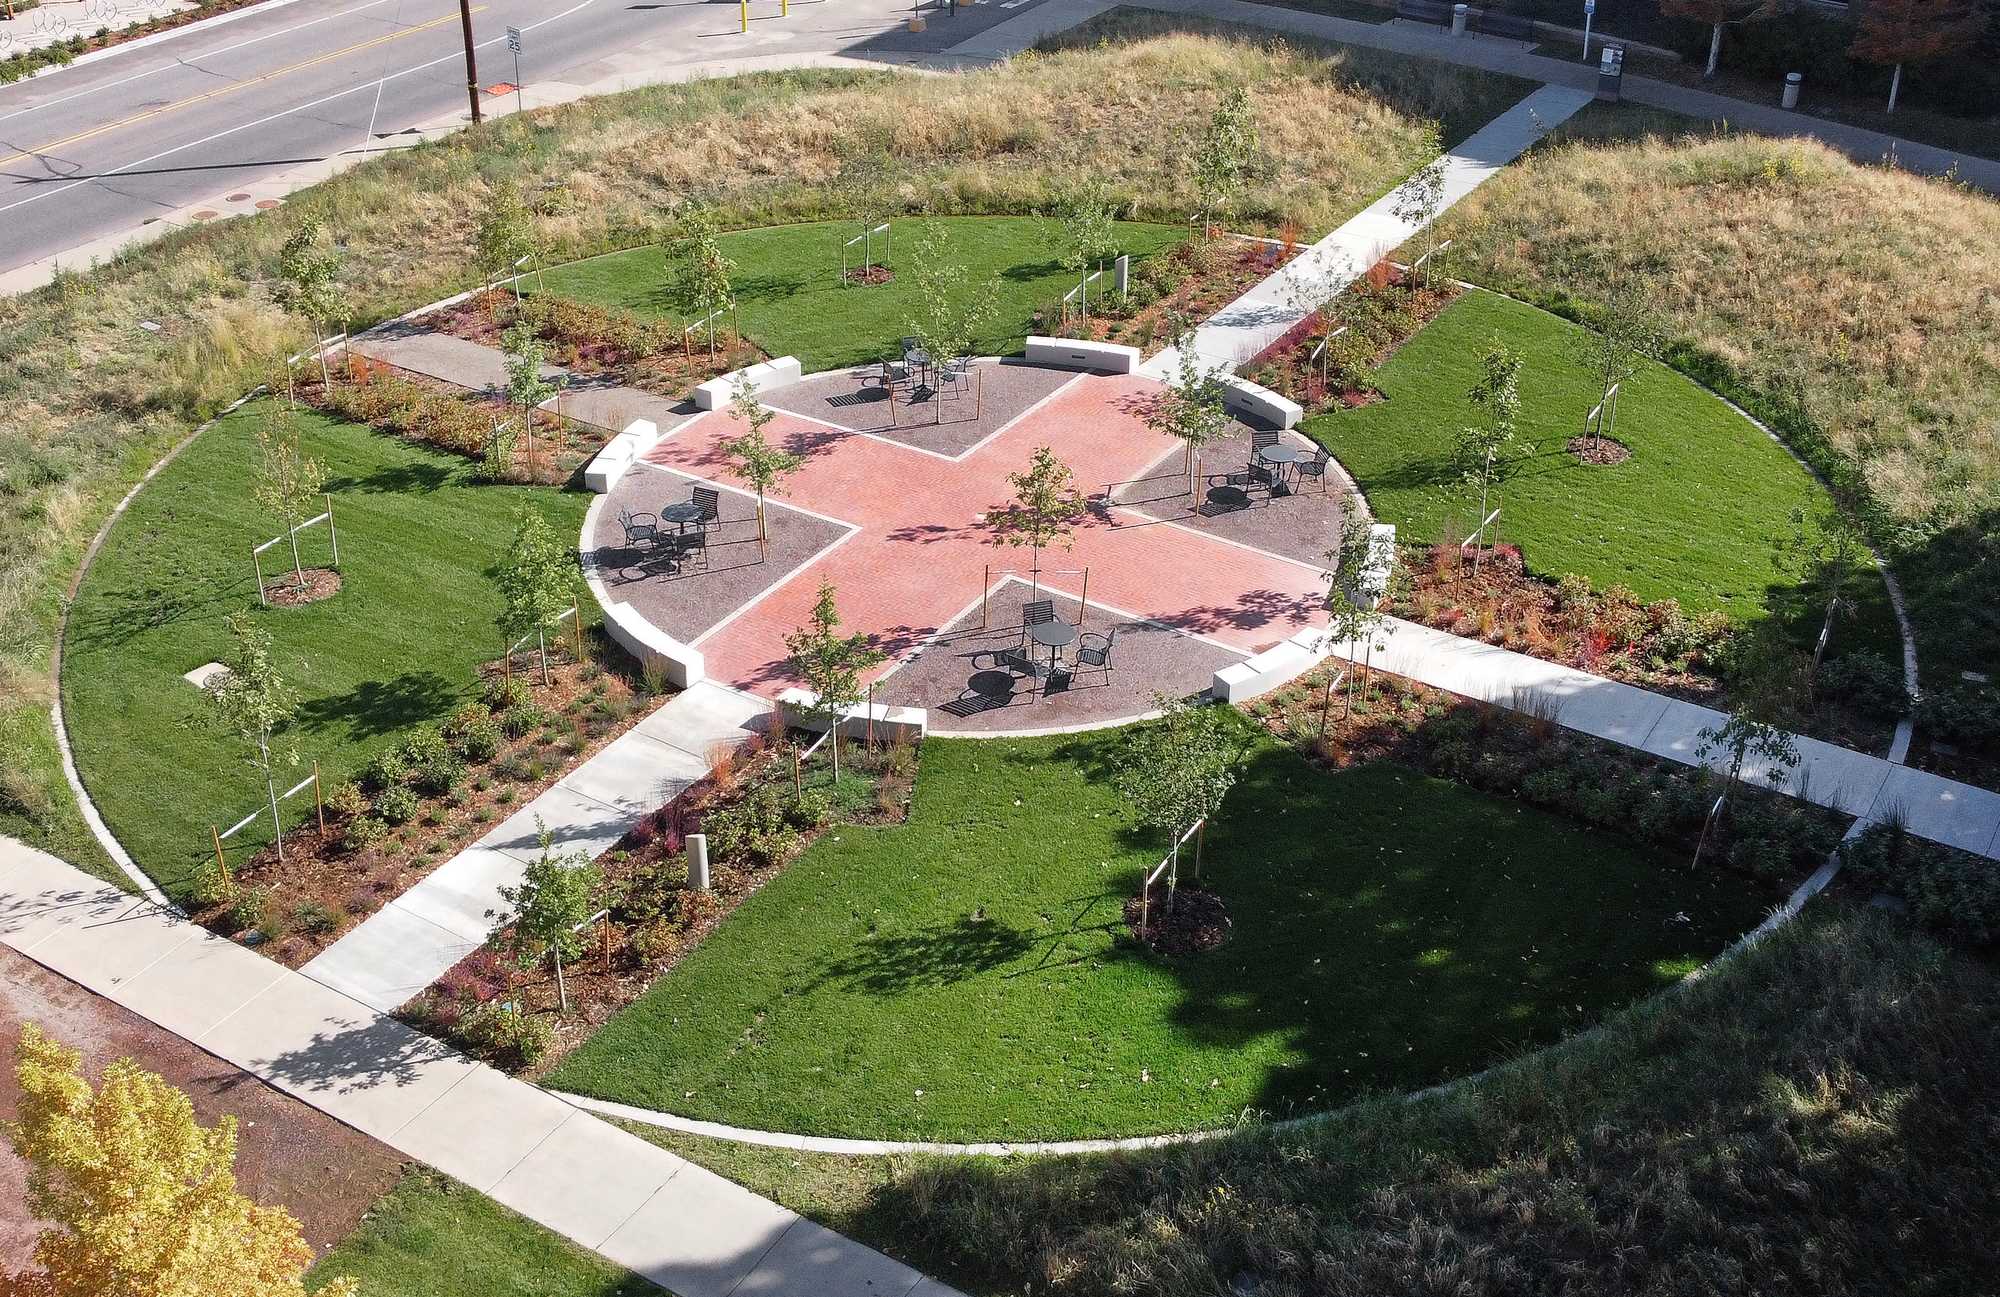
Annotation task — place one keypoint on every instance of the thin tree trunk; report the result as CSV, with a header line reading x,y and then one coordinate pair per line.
x,y
1895,85
271,790
542,646
298,569
1714,50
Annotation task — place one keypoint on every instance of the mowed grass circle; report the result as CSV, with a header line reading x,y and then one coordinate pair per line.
x,y
1691,515
399,644
966,977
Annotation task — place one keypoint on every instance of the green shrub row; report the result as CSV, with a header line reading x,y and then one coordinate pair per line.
x,y
1950,891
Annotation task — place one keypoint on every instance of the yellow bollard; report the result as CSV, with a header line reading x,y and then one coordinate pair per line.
x,y
746,15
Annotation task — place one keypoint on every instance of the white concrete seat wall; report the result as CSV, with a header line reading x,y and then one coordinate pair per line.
x,y
1106,357
1245,397
684,666
717,393
619,454
892,723
1271,669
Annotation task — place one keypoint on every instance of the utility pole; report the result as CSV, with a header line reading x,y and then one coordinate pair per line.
x,y
471,63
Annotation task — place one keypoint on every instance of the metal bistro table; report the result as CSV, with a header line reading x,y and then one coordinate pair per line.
x,y
1277,457
681,514
1055,636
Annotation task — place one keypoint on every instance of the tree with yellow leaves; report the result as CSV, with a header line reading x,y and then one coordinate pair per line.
x,y
143,1197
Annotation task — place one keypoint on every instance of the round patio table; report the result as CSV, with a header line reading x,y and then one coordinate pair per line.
x,y
681,514
1277,457
1055,636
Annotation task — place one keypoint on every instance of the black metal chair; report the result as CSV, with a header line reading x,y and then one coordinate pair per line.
x,y
710,501
1093,653
1315,467
1038,613
690,548
1260,440
641,529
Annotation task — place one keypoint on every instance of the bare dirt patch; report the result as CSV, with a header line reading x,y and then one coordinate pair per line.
x,y
872,275
1178,922
288,591
1599,450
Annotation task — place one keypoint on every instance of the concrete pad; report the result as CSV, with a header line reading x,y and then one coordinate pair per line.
x,y
637,774
107,949
1606,709
616,407
37,904
813,1259
388,959
481,1128
458,894
1677,734
1833,776
700,1235
1955,814
196,985
579,823
207,671
372,1072
588,1178
703,716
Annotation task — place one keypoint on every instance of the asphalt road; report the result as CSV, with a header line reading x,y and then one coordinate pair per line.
x,y
102,148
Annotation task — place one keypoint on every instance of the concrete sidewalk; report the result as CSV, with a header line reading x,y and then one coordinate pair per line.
x,y
1939,809
1261,316
412,941
682,1227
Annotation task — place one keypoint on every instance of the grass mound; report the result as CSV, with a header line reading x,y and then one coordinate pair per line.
x,y
1849,306
1690,515
396,646
967,975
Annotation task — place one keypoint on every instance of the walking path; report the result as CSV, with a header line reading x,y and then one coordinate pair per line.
x,y
1933,807
1261,316
682,1227
1495,55
412,941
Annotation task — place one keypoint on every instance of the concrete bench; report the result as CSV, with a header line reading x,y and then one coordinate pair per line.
x,y
717,393
1508,26
1243,397
1271,669
683,666
1106,357
892,724
619,454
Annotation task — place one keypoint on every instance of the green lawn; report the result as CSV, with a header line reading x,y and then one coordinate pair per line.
x,y
1390,930
396,646
433,1237
793,303
1690,515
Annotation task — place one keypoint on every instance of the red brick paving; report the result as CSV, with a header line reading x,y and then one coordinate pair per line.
x,y
918,558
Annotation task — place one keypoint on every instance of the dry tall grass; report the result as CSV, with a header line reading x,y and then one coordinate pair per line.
x,y
1859,307
91,399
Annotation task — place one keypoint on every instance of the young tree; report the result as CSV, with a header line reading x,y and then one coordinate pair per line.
x,y
1420,198
1216,162
1825,553
537,583
142,1196
525,356
1771,683
1609,348
506,235
1176,771
288,480
753,459
1895,32
1088,236
697,270
1354,591
1718,14
1479,448
947,308
252,701
557,895
1189,406
1044,512
310,287
830,665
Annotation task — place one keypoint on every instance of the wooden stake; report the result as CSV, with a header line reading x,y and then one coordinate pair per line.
x,y
871,715
985,586
576,612
319,802
1083,604
222,863
331,534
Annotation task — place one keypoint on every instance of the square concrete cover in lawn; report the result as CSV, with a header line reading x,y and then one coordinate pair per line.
x,y
587,1178
196,985
372,1072
813,1259
389,958
481,1128
112,947
700,1234
637,774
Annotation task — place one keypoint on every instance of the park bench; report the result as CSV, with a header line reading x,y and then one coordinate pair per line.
x,y
1423,11
1507,26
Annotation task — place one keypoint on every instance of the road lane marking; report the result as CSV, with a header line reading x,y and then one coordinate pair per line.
x,y
178,104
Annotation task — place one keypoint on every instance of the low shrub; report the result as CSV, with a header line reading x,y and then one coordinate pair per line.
x,y
311,916
386,771
345,799
362,831
502,692
397,805
497,1034
762,829
247,910
1961,716
521,718
1868,682
1950,891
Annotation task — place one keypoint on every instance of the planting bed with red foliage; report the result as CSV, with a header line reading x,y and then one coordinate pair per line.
x,y
1381,312
1195,280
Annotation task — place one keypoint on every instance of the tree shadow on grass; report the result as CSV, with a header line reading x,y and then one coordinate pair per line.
x,y
118,617
932,956
376,707
770,287
396,479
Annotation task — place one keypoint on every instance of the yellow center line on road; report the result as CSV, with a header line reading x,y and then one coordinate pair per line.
x,y
223,90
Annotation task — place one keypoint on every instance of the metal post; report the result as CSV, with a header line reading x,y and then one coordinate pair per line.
x,y
562,995
471,60
871,715
259,569
746,15
985,586
577,613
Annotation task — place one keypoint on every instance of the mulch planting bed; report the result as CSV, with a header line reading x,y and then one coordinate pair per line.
x,y
1178,922
1381,312
756,821
288,591
652,355
1195,280
383,835
288,1154
1599,450
871,275
1388,718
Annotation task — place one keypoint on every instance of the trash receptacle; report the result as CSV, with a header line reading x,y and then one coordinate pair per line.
x,y
1610,72
1792,82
